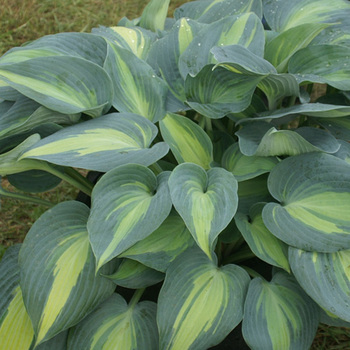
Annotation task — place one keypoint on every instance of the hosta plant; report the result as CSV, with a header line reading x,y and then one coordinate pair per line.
x,y
212,150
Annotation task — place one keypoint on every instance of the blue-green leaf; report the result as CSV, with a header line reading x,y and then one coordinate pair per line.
x,y
101,144
136,87
245,30
260,240
86,87
115,323
314,194
160,248
208,11
207,201
325,277
128,204
57,271
279,315
263,139
207,302
246,167
133,274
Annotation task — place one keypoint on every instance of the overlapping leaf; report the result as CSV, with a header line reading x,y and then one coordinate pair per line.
x,y
57,271
10,162
187,140
160,248
136,87
222,33
279,50
216,93
128,204
325,277
207,302
246,167
251,192
135,39
26,114
314,194
154,15
115,323
208,11
86,87
263,139
101,144
279,315
322,64
288,14
237,58
260,240
132,274
164,57
83,45
207,201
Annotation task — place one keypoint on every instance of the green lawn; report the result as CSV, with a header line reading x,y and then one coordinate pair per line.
x,y
25,20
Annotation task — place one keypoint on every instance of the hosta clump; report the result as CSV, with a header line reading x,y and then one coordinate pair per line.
x,y
219,144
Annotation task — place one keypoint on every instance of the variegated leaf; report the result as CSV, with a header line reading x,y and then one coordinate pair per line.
x,y
115,324
135,39
86,87
325,277
101,144
187,140
154,15
260,240
16,330
246,167
128,204
314,194
279,315
279,50
26,114
83,45
57,271
326,64
10,162
245,30
207,302
136,87
288,14
164,58
207,201
133,274
216,93
263,139
160,248
208,11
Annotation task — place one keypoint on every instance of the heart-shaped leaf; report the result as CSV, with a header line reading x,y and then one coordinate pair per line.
x,y
279,315
207,302
207,201
128,204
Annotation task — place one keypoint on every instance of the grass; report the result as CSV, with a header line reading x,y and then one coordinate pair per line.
x,y
26,20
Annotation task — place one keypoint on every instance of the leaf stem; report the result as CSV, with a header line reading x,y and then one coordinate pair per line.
x,y
252,272
156,168
24,197
73,177
136,297
242,255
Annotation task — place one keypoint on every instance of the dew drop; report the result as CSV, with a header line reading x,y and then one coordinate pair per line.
x,y
199,44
